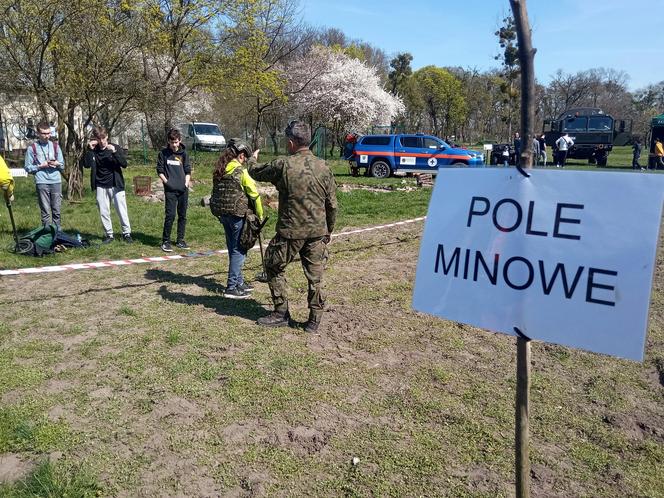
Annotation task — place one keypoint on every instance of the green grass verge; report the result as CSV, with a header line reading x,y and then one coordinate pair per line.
x,y
54,480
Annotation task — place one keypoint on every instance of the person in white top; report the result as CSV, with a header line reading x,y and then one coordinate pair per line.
x,y
563,144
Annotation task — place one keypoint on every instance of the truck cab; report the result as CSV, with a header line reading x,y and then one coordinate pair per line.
x,y
594,133
383,155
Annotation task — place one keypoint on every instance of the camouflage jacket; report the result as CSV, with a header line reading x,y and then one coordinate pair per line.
x,y
307,194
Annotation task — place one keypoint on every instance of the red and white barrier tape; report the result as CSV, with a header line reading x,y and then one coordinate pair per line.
x,y
157,259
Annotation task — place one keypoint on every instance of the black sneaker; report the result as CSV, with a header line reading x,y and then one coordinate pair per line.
x,y
108,239
181,244
275,319
246,287
236,294
166,247
127,238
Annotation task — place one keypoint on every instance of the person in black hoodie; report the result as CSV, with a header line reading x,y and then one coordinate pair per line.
x,y
106,161
175,172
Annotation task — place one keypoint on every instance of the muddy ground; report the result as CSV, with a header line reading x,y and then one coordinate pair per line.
x,y
149,379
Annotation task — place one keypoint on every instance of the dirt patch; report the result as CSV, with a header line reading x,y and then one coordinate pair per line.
x,y
636,427
179,409
14,467
251,484
349,187
55,386
308,440
101,393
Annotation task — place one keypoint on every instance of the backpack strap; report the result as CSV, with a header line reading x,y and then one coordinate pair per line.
x,y
55,150
35,160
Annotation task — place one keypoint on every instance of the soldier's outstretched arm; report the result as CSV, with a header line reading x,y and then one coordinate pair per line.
x,y
268,172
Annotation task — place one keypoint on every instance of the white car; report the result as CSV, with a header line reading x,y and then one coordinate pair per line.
x,y
202,136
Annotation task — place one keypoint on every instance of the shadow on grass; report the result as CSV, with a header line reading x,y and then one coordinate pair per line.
x,y
148,240
62,295
245,308
202,281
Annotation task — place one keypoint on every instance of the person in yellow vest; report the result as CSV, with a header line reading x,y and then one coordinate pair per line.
x,y
659,154
6,181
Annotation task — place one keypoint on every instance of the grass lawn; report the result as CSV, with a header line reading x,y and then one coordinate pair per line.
x,y
204,232
145,381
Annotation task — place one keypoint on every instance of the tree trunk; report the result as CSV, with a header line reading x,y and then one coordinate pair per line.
x,y
74,153
273,139
257,126
527,62
154,129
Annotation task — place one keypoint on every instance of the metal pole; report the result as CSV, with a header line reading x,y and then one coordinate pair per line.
x,y
145,150
522,437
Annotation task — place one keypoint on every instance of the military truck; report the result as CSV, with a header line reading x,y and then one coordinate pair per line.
x,y
594,133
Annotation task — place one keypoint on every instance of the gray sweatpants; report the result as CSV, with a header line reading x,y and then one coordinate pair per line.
x,y
119,199
50,200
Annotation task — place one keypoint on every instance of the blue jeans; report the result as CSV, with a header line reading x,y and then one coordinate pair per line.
x,y
236,255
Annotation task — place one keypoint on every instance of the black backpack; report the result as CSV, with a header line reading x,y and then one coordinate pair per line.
x,y
47,240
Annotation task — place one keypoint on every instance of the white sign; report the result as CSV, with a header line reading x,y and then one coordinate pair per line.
x,y
18,172
432,162
407,160
565,256
364,158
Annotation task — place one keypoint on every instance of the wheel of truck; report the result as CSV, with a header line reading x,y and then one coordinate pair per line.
x,y
601,161
380,169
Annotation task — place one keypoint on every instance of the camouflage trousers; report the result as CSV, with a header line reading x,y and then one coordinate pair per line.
x,y
282,251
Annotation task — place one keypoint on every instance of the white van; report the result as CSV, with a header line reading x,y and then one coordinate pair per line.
x,y
202,136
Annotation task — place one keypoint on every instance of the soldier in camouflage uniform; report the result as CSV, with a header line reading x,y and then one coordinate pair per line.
x,y
307,212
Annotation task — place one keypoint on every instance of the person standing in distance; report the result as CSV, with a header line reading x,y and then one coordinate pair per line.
x,y
517,148
542,143
536,151
659,154
563,144
174,170
43,159
106,161
234,193
636,153
306,217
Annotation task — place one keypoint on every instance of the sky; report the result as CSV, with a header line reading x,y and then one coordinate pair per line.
x,y
571,35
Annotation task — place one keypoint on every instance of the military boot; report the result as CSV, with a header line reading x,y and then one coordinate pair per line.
x,y
311,326
275,319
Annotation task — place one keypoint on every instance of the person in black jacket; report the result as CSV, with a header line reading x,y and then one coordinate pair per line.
x,y
517,148
636,154
175,172
106,161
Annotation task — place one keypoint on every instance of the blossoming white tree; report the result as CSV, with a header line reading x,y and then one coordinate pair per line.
x,y
339,91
